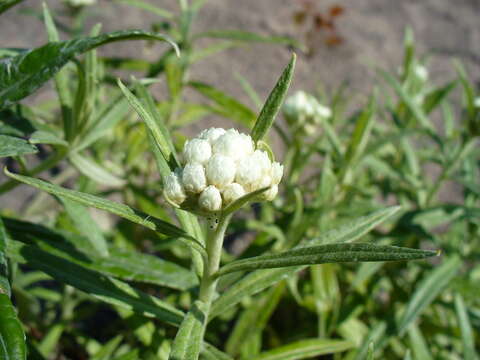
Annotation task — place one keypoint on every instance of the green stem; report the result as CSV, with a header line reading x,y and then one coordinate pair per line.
x,y
214,246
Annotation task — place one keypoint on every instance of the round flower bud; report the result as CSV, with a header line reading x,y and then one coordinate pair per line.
x,y
232,192
296,105
322,111
193,178
270,194
197,151
249,173
421,72
263,160
173,188
210,199
277,173
233,144
220,170
211,134
78,3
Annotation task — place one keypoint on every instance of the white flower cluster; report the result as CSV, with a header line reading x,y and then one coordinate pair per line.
x,y
304,112
220,167
78,3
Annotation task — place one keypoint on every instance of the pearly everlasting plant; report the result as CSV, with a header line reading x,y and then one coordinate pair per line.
x,y
304,113
219,167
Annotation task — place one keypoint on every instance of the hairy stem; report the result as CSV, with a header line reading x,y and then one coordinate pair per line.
x,y
208,283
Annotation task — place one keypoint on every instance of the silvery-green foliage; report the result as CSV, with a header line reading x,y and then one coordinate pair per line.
x,y
151,262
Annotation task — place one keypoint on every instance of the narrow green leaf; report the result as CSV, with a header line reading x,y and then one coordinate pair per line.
x,y
50,339
305,349
436,97
106,119
239,35
361,133
86,225
261,279
427,291
122,264
468,339
147,111
253,319
94,171
12,337
209,352
12,146
373,337
416,110
113,207
323,254
102,287
274,102
237,204
61,78
21,75
418,343
188,341
107,350
7,4
225,104
149,7
46,137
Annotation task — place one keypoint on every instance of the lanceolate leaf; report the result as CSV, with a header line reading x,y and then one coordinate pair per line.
x,y
225,104
121,210
12,146
261,279
323,254
237,204
12,337
274,102
468,337
105,288
188,341
239,35
428,290
122,264
305,349
149,114
23,74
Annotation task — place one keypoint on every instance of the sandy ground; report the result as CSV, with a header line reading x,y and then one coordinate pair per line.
x,y
372,31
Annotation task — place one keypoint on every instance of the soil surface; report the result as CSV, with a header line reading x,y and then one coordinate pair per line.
x,y
372,34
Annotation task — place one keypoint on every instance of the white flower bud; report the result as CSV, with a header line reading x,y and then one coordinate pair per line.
x,y
212,134
249,173
193,178
277,173
233,144
476,102
210,199
263,160
322,111
173,188
78,3
296,104
232,192
220,170
270,194
197,151
421,72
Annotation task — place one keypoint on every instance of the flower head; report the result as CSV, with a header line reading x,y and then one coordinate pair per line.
x,y
304,113
79,3
220,167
